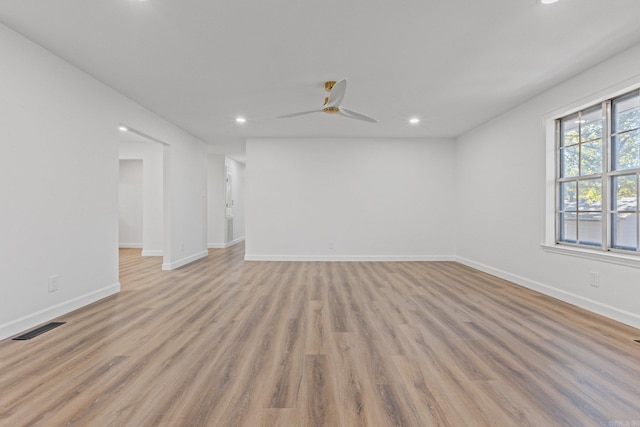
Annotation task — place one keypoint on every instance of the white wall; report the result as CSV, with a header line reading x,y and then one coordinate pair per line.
x,y
501,198
151,155
347,199
130,204
59,185
185,185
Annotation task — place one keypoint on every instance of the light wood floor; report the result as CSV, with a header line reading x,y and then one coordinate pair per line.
x,y
223,342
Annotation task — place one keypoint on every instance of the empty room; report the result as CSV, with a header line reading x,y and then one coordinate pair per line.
x,y
281,213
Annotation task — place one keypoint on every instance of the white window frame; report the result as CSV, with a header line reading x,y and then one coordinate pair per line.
x,y
549,243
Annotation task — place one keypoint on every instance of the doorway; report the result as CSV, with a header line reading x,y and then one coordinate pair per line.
x,y
142,193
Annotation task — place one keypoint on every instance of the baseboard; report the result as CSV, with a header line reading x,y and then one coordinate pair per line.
x,y
152,253
236,241
225,245
350,258
614,313
184,261
27,322
130,245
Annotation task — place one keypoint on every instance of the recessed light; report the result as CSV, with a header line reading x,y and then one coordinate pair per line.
x,y
548,1
240,120
414,121
123,128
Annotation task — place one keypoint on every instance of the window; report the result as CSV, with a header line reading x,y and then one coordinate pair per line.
x,y
597,174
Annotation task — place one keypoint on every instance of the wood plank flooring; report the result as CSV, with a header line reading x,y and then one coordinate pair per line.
x,y
223,342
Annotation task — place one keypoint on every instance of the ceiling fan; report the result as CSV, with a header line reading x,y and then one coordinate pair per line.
x,y
332,104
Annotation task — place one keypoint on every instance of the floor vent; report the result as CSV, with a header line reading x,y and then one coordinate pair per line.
x,y
38,331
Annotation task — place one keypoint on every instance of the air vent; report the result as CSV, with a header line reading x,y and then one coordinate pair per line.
x,y
38,331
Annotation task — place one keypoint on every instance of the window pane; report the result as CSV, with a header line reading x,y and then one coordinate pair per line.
x,y
569,161
568,196
625,193
591,124
567,227
591,158
626,112
626,150
590,228
588,139
590,195
570,130
624,233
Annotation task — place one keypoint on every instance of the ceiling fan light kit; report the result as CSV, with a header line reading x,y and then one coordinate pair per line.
x,y
332,104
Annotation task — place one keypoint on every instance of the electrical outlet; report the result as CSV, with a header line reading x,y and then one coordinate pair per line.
x,y
53,283
595,279
330,246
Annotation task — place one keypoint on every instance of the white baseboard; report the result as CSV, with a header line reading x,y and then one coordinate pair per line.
x,y
184,261
152,253
350,258
614,313
31,320
225,245
130,245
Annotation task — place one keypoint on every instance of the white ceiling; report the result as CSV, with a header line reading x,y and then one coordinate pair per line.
x,y
453,63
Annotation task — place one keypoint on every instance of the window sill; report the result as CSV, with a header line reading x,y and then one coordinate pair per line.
x,y
608,257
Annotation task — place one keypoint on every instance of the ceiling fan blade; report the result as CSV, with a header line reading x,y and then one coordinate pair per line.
x,y
337,93
301,113
356,115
